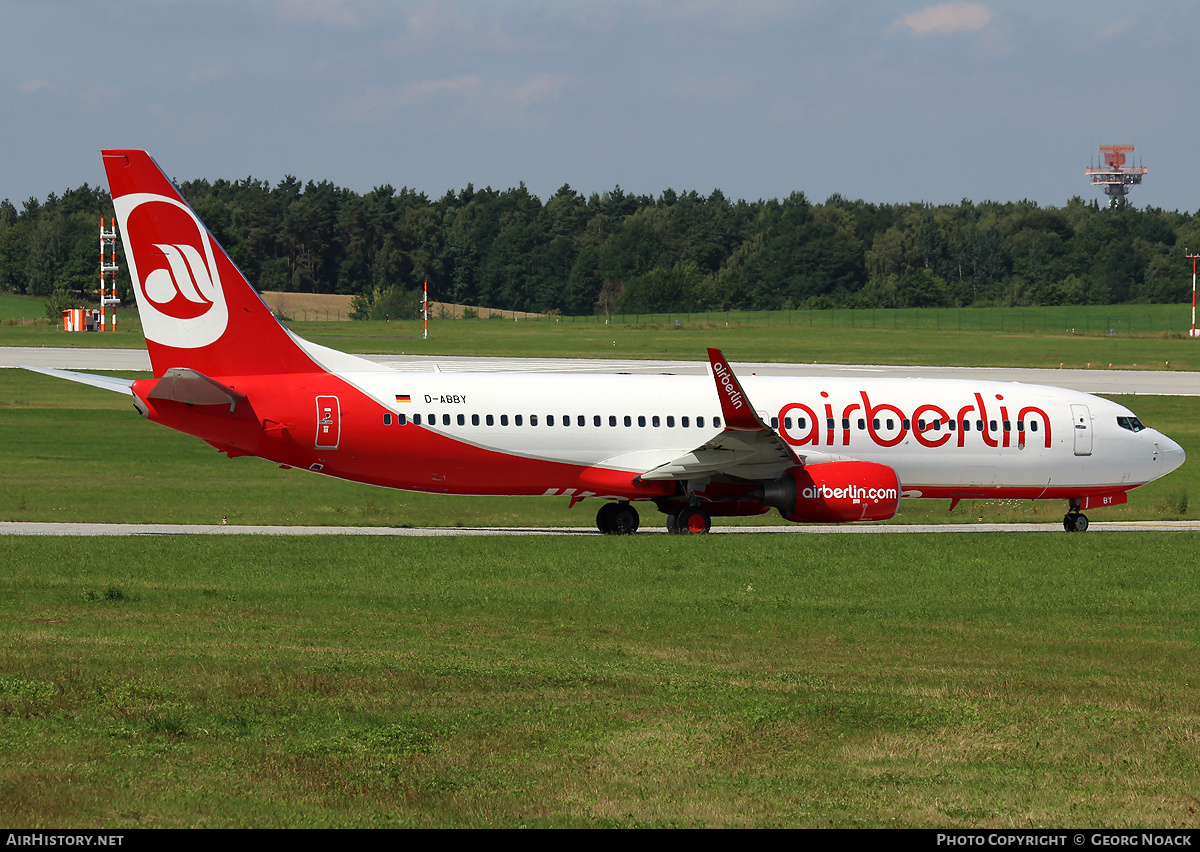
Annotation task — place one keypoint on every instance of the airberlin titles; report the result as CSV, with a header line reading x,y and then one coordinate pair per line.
x,y
728,384
932,426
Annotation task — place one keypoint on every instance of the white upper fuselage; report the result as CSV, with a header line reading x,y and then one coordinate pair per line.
x,y
1016,435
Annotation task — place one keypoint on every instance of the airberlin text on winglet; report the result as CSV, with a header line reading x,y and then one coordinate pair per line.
x,y
728,384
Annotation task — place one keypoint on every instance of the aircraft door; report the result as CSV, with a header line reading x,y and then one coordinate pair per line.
x,y
1081,417
329,423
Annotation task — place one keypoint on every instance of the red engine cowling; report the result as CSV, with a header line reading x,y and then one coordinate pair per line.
x,y
838,492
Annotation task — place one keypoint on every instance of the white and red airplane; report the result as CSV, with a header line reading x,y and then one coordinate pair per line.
x,y
819,449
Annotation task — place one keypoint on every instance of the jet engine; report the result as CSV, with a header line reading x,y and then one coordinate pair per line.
x,y
836,492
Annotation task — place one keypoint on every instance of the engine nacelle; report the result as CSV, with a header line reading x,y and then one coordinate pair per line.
x,y
836,492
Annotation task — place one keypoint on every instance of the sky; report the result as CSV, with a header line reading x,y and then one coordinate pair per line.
x,y
889,101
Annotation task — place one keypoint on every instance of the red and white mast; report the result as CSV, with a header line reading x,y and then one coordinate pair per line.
x,y
1193,257
108,239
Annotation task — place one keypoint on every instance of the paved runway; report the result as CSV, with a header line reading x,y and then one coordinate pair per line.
x,y
1151,382
24,528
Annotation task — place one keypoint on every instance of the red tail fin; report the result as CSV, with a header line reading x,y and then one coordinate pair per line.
x,y
197,310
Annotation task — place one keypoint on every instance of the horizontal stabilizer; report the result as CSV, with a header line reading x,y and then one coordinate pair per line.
x,y
187,386
111,383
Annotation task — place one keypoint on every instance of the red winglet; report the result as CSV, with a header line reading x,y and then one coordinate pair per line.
x,y
735,405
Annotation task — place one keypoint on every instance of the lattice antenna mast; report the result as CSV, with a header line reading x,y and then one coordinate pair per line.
x,y
108,272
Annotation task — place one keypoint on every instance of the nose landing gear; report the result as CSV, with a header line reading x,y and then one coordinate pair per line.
x,y
1074,520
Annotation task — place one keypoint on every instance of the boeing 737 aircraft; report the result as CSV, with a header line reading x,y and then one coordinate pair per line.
x,y
821,449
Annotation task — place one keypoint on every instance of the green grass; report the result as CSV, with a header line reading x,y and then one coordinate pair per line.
x,y
19,308
1147,337
73,453
900,681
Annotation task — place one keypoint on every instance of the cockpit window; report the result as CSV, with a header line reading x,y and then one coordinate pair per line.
x,y
1130,423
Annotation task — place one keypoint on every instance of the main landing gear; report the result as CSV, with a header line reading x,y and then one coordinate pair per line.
x,y
622,519
688,520
1074,520
617,519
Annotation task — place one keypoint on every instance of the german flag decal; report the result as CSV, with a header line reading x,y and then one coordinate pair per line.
x,y
403,397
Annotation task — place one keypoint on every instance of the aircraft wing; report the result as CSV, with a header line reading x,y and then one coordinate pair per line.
x,y
746,448
106,382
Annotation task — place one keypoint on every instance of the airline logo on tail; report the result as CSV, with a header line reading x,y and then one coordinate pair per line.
x,y
170,256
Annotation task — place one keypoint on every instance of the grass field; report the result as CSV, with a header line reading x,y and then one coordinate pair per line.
x,y
1019,681
1073,337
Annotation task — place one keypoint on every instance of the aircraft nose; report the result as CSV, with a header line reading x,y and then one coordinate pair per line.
x,y
1168,454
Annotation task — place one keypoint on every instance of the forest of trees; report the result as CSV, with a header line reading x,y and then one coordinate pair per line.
x,y
619,252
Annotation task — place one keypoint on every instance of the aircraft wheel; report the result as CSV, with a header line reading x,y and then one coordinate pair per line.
x,y
625,519
673,520
693,520
617,519
1075,522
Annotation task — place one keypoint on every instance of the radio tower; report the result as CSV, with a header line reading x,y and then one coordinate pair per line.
x,y
1114,176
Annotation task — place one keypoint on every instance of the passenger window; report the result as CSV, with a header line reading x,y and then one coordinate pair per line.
x,y
699,422
387,420
503,419
491,421
829,423
462,420
716,422
904,424
445,419
1020,425
862,424
642,420
845,422
654,421
517,418
774,422
683,421
612,420
1033,426
474,419
532,419
670,422
595,421
549,419
628,420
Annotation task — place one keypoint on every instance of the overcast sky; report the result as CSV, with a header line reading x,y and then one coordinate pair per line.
x,y
885,100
